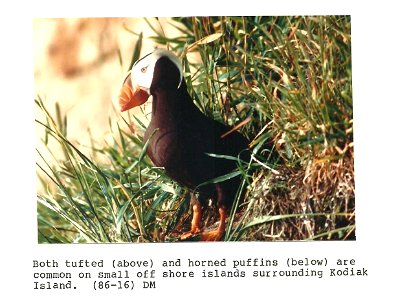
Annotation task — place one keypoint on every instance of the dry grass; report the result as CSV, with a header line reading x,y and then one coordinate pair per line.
x,y
318,203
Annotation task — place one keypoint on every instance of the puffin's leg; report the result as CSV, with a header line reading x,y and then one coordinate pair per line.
x,y
217,234
196,219
197,213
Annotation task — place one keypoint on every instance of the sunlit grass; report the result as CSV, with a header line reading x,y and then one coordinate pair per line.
x,y
290,76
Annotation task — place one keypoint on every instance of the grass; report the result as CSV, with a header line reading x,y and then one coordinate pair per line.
x,y
288,78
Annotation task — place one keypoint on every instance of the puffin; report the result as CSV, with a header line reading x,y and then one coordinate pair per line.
x,y
191,147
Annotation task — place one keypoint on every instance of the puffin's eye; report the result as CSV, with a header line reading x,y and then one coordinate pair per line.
x,y
143,70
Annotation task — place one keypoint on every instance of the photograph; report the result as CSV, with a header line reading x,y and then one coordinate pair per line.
x,y
194,129
161,150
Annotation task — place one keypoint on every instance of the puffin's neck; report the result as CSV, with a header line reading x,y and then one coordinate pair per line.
x,y
170,106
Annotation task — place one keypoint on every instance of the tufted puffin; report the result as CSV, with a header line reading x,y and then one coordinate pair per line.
x,y
182,137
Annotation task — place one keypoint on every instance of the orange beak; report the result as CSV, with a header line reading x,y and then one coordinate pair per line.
x,y
131,94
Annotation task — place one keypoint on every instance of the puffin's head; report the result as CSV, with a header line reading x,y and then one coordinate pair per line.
x,y
160,68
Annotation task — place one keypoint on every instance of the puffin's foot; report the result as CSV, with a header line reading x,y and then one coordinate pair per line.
x,y
188,235
209,236
212,236
216,235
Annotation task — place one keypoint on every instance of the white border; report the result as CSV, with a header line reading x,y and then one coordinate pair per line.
x,y
375,86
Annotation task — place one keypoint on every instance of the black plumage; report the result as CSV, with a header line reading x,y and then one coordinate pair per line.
x,y
182,139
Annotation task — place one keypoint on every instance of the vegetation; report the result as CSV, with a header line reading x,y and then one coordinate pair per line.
x,y
285,80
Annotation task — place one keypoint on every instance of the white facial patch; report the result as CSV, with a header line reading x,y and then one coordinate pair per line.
x,y
143,69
